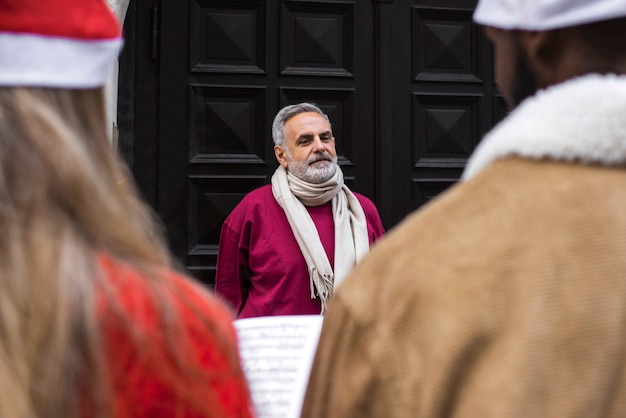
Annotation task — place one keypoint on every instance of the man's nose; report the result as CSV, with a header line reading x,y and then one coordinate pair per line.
x,y
318,144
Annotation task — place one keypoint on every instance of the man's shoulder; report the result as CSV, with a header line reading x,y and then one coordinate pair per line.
x,y
261,192
258,196
257,201
363,200
366,203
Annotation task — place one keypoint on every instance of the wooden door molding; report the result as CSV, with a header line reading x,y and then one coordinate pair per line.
x,y
137,112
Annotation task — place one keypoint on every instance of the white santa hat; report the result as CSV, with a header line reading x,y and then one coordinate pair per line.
x,y
57,43
546,14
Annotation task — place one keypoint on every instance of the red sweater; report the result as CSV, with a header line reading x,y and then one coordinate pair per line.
x,y
260,268
149,382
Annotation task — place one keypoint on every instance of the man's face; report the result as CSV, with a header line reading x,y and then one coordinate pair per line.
x,y
310,153
515,79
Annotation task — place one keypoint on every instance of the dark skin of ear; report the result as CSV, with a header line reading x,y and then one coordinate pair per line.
x,y
558,55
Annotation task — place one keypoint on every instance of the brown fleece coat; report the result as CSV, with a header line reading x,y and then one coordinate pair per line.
x,y
505,297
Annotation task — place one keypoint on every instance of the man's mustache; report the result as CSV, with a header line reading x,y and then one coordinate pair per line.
x,y
322,157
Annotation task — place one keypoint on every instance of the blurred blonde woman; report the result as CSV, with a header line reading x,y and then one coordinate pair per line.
x,y
94,322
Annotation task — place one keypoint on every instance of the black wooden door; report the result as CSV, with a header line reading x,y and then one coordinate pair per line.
x,y
226,67
436,99
408,86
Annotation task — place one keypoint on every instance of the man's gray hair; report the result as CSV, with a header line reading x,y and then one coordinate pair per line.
x,y
286,113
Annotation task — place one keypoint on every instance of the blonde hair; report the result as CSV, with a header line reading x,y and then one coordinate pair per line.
x,y
64,199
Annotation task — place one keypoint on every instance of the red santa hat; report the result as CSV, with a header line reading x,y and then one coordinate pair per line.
x,y
57,43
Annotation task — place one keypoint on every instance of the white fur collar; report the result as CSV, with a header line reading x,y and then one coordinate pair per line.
x,y
582,120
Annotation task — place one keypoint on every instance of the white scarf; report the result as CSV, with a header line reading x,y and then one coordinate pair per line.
x,y
351,239
582,120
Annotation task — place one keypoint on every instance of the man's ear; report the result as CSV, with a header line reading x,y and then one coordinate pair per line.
x,y
544,51
281,155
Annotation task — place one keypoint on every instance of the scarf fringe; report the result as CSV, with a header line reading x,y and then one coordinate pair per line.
x,y
321,286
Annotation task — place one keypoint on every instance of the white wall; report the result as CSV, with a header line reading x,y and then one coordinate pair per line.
x,y
119,7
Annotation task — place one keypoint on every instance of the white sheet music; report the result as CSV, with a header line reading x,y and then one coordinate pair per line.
x,y
277,353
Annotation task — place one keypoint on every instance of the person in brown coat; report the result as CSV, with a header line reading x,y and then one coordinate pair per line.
x,y
505,296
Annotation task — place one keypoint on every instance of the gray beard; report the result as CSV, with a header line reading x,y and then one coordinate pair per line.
x,y
316,175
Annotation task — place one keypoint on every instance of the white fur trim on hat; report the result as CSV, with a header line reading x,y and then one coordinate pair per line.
x,y
30,60
546,14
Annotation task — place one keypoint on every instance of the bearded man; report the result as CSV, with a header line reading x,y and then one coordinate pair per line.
x,y
286,246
